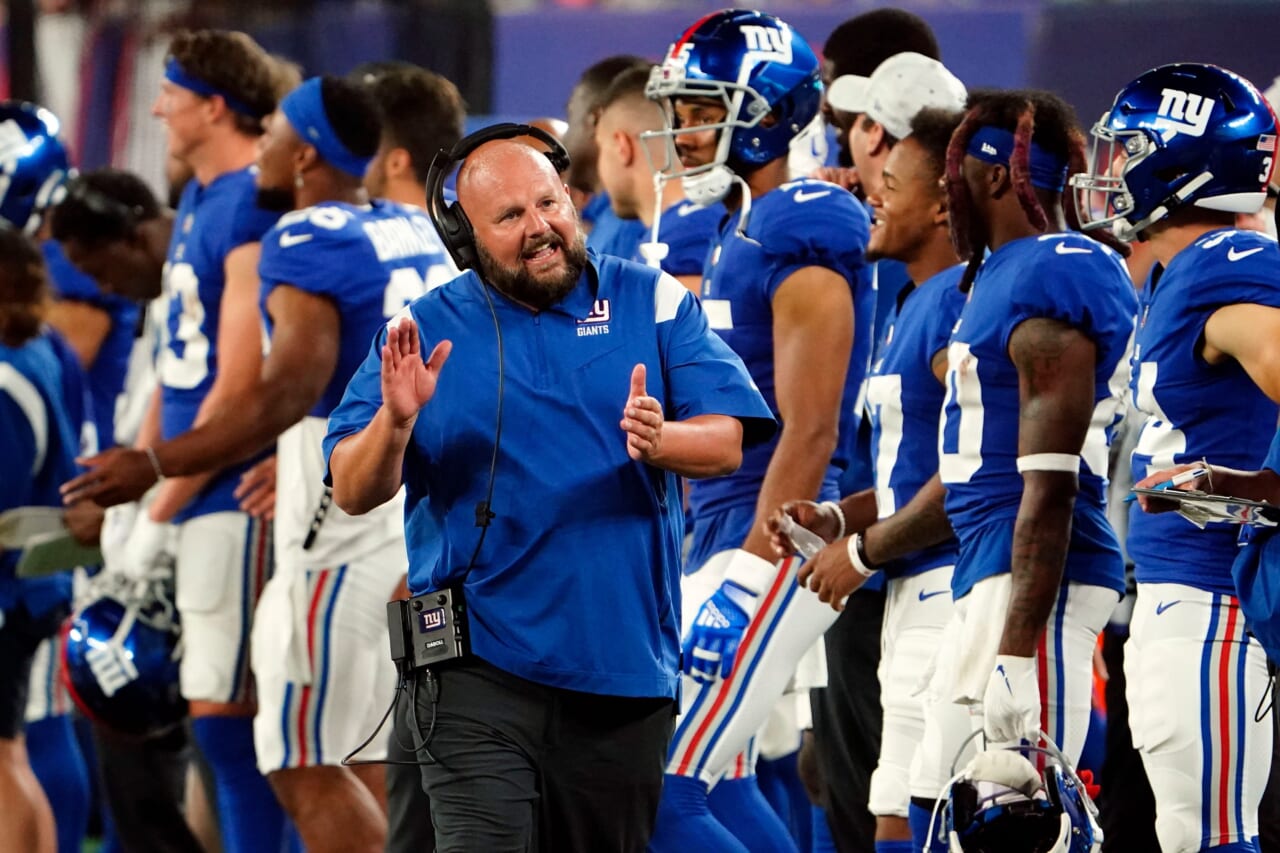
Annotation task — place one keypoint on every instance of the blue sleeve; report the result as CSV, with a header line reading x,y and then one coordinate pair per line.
x,y
1252,279
316,253
689,238
360,402
1273,454
945,309
1088,290
68,282
810,230
251,223
77,399
702,374
19,457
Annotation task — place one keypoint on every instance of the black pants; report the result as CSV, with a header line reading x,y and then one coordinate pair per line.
x,y
144,782
409,828
847,718
525,767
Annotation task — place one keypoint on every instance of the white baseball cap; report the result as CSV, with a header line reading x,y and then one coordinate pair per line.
x,y
900,87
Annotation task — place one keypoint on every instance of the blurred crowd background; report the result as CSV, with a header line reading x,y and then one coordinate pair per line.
x,y
97,63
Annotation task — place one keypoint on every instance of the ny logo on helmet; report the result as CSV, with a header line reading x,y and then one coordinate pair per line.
x,y
13,144
770,41
112,668
1183,112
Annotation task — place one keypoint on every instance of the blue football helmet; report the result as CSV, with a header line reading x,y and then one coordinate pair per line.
x,y
1000,803
122,651
755,66
1179,134
33,163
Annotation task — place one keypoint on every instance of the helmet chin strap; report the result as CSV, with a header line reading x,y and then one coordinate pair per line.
x,y
653,251
709,187
713,186
745,218
1162,210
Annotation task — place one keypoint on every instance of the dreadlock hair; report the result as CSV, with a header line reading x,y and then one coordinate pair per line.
x,y
1030,115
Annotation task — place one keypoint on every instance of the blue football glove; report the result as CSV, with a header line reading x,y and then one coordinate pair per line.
x,y
711,645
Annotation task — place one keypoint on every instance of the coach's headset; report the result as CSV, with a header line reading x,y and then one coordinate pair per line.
x,y
449,218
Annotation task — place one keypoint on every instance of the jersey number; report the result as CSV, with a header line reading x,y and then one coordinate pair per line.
x,y
1159,440
184,352
960,438
407,284
884,404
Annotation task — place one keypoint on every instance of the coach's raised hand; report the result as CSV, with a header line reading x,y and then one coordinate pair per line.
x,y
408,382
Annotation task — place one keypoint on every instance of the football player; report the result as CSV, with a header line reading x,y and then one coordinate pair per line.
x,y
606,232
41,439
92,325
1183,151
111,227
787,287
217,86
1036,364
422,113
857,47
904,396
626,164
333,271
98,326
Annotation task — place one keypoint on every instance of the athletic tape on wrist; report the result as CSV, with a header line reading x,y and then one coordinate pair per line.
x,y
155,463
835,507
750,572
1066,462
858,556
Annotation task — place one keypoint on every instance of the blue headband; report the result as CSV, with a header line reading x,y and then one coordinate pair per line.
x,y
175,73
995,145
304,108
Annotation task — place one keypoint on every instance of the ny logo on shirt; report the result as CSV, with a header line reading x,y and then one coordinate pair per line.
x,y
597,320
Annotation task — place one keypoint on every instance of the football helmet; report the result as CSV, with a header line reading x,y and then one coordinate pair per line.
x,y
755,66
1179,134
33,163
1001,803
122,651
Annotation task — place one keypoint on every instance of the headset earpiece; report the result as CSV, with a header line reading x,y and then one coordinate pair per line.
x,y
449,217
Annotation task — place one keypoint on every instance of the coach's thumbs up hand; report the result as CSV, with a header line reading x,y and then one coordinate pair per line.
x,y
642,420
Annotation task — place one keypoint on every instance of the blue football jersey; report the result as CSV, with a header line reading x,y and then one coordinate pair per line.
x,y
803,223
610,233
106,374
1193,410
1063,276
369,260
689,231
40,443
211,222
904,401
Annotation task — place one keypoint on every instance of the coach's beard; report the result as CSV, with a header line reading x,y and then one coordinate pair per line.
x,y
538,293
